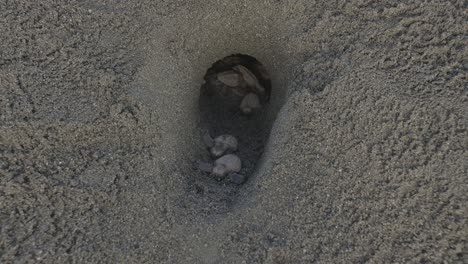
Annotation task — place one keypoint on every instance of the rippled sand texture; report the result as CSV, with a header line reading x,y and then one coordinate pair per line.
x,y
366,159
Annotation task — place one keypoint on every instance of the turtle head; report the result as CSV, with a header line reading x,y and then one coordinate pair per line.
x,y
219,170
246,110
218,149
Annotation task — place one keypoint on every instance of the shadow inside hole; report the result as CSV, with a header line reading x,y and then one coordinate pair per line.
x,y
220,111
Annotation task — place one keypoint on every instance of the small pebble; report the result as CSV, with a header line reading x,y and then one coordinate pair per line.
x,y
227,164
223,144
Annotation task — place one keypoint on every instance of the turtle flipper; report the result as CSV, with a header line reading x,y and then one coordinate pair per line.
x,y
207,139
237,178
205,166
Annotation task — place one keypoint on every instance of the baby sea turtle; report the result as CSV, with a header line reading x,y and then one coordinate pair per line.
x,y
231,71
223,166
226,164
205,166
250,103
207,139
221,144
241,80
237,178
250,79
230,78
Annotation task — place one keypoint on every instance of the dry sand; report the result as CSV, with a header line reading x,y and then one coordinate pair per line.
x,y
366,162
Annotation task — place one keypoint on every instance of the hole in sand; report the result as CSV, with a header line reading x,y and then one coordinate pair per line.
x,y
233,103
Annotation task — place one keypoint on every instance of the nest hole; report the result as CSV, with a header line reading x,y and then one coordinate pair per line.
x,y
223,109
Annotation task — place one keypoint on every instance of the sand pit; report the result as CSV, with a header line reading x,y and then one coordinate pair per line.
x,y
221,109
359,156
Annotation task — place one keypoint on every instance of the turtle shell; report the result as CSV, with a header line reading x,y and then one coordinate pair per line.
x,y
228,64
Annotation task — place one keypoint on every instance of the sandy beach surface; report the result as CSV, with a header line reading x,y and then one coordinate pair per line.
x,y
363,147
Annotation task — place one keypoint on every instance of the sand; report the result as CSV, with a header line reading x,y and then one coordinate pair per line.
x,y
366,133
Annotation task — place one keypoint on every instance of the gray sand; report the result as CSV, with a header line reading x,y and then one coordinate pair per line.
x,y
366,161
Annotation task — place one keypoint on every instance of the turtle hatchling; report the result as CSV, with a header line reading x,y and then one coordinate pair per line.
x,y
250,79
223,144
205,166
230,78
227,164
250,103
237,178
237,75
207,139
